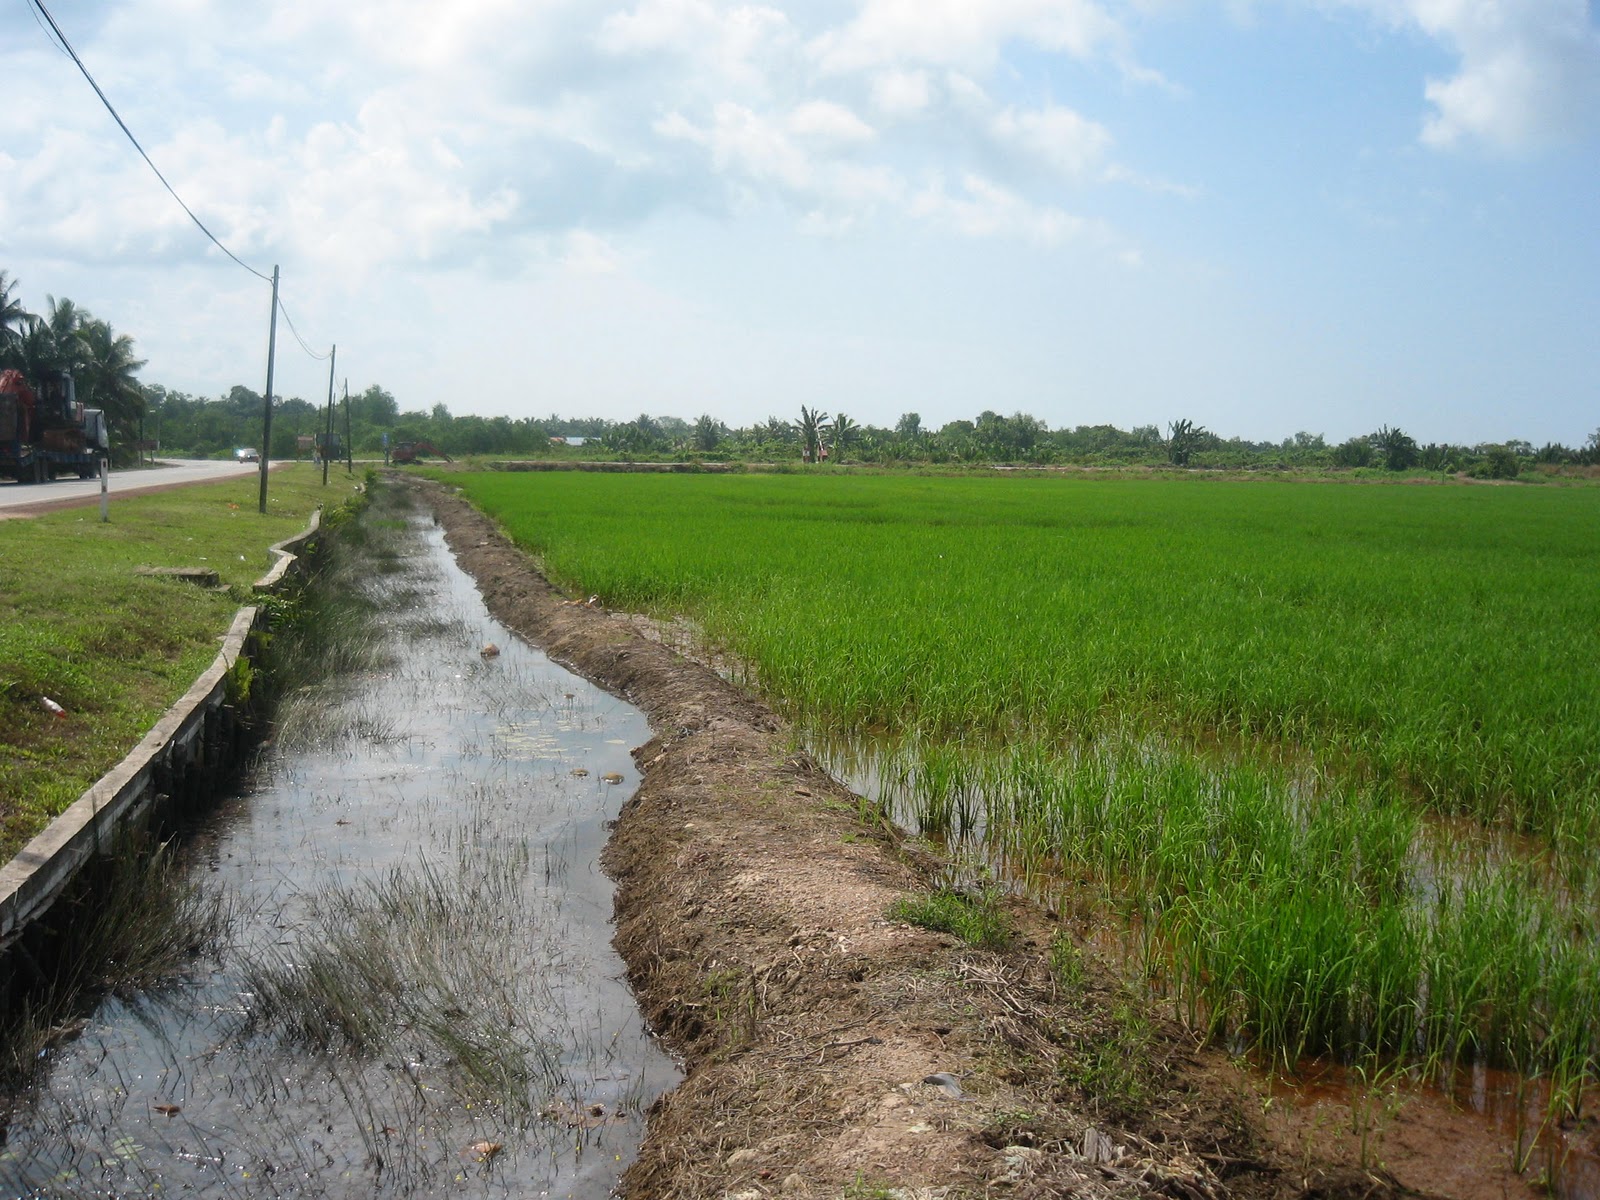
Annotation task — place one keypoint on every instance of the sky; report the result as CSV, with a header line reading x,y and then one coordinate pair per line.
x,y
1264,216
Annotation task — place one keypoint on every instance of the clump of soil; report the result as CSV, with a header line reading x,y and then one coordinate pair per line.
x,y
831,1050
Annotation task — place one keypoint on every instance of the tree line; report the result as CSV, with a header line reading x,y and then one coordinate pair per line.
x,y
67,337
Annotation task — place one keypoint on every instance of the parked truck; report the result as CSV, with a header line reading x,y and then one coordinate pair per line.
x,y
48,433
410,452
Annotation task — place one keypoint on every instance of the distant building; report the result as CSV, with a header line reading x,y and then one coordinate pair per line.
x,y
568,441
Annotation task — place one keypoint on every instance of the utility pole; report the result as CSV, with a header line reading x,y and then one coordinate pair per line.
x,y
266,408
349,450
327,436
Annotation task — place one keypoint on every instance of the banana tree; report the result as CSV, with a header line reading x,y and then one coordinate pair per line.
x,y
845,431
813,428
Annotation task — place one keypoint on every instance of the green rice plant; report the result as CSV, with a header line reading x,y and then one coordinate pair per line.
x,y
1225,705
1114,1069
1430,636
1066,963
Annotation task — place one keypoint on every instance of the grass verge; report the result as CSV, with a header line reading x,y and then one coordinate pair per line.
x,y
112,648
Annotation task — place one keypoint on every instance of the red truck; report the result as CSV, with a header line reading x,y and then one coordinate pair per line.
x,y
48,433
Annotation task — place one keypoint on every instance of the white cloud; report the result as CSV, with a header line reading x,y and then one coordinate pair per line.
x,y
825,121
901,93
728,44
1529,71
984,209
590,254
753,150
1065,140
750,144
966,33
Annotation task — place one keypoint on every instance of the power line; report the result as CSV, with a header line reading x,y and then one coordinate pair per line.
x,y
297,336
43,11
63,44
47,32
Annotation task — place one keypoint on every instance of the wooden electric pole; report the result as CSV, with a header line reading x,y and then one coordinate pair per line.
x,y
327,436
266,405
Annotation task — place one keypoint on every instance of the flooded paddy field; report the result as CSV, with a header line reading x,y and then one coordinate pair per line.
x,y
1097,838
1267,735
414,992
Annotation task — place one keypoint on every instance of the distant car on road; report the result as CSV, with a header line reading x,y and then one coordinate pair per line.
x,y
245,454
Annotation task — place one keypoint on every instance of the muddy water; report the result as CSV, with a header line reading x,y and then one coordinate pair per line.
x,y
419,996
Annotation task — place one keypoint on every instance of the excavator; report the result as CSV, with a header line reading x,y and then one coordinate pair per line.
x,y
48,433
410,452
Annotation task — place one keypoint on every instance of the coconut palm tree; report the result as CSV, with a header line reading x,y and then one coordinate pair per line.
x,y
12,316
65,319
107,379
708,431
1398,449
34,352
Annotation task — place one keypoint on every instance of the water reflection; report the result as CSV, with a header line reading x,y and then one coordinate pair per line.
x,y
420,996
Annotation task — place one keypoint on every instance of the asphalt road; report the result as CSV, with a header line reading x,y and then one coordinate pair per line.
x,y
19,499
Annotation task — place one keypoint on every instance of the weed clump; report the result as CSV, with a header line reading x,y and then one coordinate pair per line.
x,y
975,918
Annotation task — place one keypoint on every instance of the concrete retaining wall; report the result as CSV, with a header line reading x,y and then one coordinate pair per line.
x,y
175,768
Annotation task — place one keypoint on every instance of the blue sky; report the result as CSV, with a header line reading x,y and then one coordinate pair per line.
x,y
1262,215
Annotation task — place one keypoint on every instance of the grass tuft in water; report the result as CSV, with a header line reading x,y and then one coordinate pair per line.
x,y
135,921
418,961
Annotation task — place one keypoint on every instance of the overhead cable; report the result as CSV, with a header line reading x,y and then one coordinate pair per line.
x,y
297,336
39,4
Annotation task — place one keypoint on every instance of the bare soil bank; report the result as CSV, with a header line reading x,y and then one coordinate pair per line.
x,y
750,910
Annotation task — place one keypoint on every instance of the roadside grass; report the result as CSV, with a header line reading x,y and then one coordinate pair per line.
x,y
115,649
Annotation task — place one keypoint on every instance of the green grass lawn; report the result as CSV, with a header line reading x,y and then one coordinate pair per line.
x,y
115,649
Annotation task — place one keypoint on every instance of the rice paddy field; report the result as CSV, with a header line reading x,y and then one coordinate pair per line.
x,y
1332,751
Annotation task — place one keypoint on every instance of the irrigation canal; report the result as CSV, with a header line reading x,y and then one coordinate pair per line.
x,y
416,993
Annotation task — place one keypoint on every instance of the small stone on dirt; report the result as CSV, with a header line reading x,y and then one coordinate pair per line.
x,y
1020,1161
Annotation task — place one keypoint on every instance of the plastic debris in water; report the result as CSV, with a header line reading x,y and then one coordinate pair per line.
x,y
490,650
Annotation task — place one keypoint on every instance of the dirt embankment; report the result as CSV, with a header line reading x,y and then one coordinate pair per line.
x,y
831,1051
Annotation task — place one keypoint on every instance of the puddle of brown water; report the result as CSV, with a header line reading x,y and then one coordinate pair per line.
x,y
446,762
1494,1109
